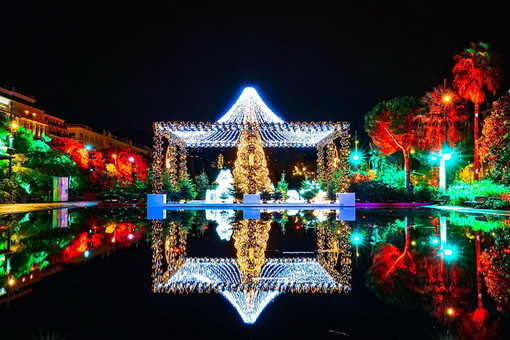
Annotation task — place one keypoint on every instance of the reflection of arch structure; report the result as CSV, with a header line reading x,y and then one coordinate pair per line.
x,y
248,113
251,281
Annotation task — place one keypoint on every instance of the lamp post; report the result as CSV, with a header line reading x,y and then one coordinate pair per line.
x,y
444,154
131,160
114,156
10,151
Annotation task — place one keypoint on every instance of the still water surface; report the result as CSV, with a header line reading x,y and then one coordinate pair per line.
x,y
225,274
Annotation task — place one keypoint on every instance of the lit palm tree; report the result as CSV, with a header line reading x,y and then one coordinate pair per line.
x,y
442,121
477,69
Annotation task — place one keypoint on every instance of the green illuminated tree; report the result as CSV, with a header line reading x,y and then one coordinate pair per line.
x,y
309,189
186,188
283,187
202,185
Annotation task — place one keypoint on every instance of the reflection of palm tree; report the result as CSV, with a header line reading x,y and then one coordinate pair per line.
x,y
475,325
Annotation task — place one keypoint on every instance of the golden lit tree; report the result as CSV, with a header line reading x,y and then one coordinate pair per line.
x,y
251,175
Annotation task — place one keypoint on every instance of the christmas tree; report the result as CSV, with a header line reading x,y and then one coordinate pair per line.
x,y
250,169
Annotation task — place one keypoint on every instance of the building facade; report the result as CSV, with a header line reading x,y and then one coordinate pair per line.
x,y
86,135
21,110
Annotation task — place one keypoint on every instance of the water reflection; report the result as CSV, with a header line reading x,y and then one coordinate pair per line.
x,y
251,280
36,244
436,262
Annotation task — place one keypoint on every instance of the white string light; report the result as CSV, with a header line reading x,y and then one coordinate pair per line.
x,y
249,110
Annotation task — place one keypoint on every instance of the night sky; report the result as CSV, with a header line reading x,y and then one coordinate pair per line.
x,y
120,67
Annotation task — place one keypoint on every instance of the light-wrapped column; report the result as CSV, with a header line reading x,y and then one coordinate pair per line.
x,y
343,164
320,161
330,160
157,161
183,165
171,162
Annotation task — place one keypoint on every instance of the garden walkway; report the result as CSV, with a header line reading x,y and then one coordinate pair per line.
x,y
27,207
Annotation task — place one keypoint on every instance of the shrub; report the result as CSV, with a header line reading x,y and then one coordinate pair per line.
x,y
309,189
378,191
265,195
461,192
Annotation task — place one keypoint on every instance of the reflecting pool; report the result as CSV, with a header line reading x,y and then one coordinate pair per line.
x,y
210,274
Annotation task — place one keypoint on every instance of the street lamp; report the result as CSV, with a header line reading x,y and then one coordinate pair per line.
x,y
131,160
115,159
444,155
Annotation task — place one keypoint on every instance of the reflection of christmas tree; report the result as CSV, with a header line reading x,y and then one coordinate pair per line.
x,y
250,241
250,169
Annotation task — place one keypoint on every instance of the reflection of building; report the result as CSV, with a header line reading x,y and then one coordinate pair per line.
x,y
250,281
20,108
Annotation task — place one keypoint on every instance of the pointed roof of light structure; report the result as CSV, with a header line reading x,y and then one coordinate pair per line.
x,y
222,275
250,108
248,112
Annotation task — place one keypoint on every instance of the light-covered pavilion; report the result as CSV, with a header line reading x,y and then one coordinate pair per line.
x,y
173,139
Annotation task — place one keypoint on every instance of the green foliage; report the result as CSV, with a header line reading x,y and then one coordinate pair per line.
x,y
186,188
34,165
486,224
183,190
202,184
277,195
283,187
331,189
126,193
461,192
390,174
236,192
184,219
309,189
495,141
379,191
265,195
10,191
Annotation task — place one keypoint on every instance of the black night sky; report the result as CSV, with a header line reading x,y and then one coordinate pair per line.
x,y
119,66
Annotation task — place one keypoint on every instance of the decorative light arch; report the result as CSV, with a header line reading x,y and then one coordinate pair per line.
x,y
248,112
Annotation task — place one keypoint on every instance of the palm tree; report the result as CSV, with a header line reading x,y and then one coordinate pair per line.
x,y
442,121
477,69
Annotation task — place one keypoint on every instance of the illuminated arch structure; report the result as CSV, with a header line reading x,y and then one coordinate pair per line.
x,y
249,113
250,281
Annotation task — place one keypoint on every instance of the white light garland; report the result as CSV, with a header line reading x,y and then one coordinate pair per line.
x,y
247,283
249,110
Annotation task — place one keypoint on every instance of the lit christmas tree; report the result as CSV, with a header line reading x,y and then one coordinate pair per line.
x,y
250,169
